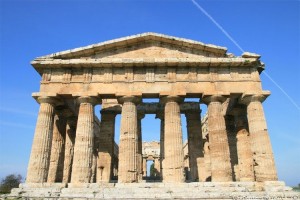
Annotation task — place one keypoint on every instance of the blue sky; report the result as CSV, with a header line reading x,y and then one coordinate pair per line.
x,y
29,29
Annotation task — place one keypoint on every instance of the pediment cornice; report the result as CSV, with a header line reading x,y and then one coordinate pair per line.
x,y
129,41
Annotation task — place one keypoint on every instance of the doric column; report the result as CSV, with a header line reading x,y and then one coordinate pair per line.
x,y
218,141
205,174
157,167
128,172
144,167
231,135
264,165
56,166
106,146
161,116
40,153
83,150
69,148
140,116
173,169
195,143
245,159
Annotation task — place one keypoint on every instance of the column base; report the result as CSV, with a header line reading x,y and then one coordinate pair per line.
x,y
198,190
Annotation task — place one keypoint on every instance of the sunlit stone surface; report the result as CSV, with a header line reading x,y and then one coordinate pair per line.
x,y
227,155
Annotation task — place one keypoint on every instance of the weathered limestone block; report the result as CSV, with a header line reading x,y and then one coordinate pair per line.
x,y
56,166
245,159
264,165
106,146
231,135
128,172
218,141
40,153
83,150
69,148
173,169
195,144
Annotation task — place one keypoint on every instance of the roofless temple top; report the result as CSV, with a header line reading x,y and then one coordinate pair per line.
x,y
72,148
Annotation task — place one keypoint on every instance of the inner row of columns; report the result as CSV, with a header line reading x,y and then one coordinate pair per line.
x,y
80,155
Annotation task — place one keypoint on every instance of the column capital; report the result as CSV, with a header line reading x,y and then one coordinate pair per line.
x,y
207,99
108,112
46,99
133,99
248,98
171,98
140,115
160,115
88,99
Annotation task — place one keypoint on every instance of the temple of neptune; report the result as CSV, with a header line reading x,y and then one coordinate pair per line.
x,y
74,154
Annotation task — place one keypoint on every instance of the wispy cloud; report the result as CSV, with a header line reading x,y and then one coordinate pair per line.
x,y
17,111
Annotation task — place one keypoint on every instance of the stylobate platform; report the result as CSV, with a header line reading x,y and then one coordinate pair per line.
x,y
206,190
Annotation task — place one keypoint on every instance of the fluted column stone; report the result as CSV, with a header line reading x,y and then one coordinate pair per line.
x,y
83,150
157,167
140,116
161,116
205,174
69,148
218,141
128,164
173,169
40,153
56,165
264,164
144,167
195,144
231,135
106,146
245,159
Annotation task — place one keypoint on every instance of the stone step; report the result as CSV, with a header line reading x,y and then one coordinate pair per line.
x,y
210,190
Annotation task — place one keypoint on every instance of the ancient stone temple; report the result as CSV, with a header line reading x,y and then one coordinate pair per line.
x,y
74,154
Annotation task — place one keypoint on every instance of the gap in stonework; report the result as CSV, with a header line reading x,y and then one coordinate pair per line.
x,y
117,128
149,165
97,111
150,128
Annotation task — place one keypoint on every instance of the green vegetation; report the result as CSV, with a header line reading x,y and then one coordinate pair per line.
x,y
297,188
9,182
152,170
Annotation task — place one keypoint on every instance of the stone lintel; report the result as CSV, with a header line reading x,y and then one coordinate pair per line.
x,y
172,94
39,65
152,108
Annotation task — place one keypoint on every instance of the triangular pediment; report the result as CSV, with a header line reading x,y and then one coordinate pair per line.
x,y
146,45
